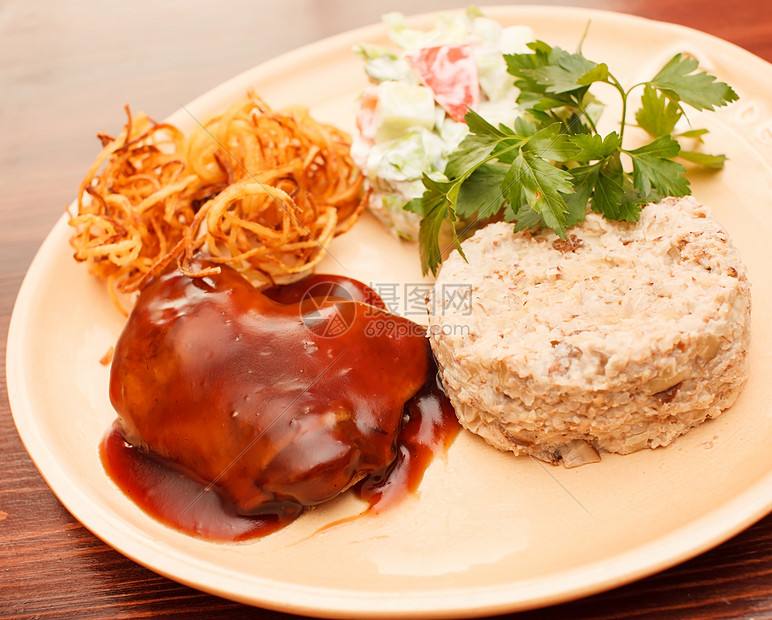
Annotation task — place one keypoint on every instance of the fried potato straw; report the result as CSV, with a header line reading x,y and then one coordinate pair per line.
x,y
263,191
133,207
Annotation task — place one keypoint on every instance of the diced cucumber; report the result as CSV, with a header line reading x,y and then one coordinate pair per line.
x,y
402,107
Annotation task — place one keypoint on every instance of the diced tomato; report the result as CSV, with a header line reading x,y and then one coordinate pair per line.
x,y
451,73
366,113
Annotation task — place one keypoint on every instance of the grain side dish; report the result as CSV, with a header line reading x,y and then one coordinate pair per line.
x,y
620,337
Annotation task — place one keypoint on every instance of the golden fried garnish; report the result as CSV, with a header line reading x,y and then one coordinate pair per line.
x,y
263,191
133,204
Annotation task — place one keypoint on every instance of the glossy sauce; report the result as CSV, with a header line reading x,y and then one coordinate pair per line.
x,y
240,409
429,427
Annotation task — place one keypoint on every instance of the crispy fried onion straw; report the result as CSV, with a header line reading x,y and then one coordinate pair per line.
x,y
133,207
260,190
259,229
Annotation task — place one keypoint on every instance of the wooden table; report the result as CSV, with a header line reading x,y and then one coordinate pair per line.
x,y
66,70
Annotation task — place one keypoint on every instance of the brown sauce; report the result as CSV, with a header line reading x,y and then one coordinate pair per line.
x,y
429,427
175,498
239,409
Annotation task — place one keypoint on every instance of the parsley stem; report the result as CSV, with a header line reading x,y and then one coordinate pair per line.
x,y
583,112
615,83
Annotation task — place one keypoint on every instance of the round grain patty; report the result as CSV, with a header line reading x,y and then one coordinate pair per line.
x,y
619,337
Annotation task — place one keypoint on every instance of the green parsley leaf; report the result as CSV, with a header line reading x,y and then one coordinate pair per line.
x,y
428,240
693,133
561,73
653,168
553,164
678,80
594,147
549,143
584,180
658,114
437,205
480,196
614,195
536,183
704,159
525,219
478,125
599,73
472,152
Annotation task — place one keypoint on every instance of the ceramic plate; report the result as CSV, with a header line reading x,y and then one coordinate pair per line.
x,y
488,532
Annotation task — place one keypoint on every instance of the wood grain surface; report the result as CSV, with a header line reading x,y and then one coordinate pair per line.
x,y
66,70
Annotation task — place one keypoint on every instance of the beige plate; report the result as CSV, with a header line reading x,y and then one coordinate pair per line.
x,y
489,532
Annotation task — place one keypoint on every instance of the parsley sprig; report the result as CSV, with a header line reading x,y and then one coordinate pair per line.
x,y
544,171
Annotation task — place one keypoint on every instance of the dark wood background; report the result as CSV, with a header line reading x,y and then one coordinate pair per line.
x,y
66,70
